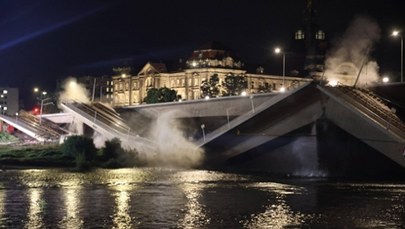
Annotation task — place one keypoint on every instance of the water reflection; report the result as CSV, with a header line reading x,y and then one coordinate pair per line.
x,y
167,198
36,208
122,217
195,216
72,218
278,214
192,185
2,204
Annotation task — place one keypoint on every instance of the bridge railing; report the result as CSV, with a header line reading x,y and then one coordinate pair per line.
x,y
238,120
122,133
368,103
100,117
127,137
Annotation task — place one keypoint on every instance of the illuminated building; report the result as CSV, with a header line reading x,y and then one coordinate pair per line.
x,y
211,59
9,100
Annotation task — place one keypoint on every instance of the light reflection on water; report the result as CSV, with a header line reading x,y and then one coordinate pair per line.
x,y
36,207
169,198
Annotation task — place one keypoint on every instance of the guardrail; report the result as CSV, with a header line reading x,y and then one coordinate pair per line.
x,y
255,110
368,103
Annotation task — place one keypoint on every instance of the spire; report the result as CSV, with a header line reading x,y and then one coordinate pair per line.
x,y
309,12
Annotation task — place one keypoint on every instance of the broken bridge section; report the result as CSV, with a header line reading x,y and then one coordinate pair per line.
x,y
361,113
105,121
357,111
38,128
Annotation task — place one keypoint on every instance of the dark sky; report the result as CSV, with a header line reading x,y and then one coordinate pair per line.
x,y
45,40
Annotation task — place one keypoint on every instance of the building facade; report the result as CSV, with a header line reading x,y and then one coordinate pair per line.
x,y
99,88
131,89
9,101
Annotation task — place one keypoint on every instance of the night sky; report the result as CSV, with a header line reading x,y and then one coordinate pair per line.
x,y
42,41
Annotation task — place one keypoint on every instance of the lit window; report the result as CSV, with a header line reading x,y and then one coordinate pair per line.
x,y
320,35
112,83
107,89
299,35
5,108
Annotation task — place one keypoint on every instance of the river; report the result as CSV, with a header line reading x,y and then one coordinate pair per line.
x,y
170,198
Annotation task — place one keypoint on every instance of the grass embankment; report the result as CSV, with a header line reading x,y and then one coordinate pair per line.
x,y
76,151
34,155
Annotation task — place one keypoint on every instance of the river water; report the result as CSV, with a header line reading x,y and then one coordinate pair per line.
x,y
169,198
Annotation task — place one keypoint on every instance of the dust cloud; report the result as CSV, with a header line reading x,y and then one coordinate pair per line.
x,y
351,55
174,149
73,91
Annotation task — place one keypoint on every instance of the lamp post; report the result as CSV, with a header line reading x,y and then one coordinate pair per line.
x,y
277,51
397,33
43,94
42,99
203,132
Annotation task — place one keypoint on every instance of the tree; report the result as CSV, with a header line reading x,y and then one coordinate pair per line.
x,y
81,148
152,96
264,88
161,95
211,87
234,84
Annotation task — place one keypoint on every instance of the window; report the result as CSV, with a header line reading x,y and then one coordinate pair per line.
x,y
320,35
299,35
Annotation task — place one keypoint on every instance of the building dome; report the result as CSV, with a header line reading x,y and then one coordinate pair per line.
x,y
213,54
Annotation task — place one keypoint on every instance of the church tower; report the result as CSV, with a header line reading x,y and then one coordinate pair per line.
x,y
309,45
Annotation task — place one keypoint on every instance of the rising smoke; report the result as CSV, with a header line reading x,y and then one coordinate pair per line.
x,y
73,91
169,145
174,149
351,55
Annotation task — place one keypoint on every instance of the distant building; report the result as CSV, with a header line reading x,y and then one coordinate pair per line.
x,y
99,88
186,78
309,44
9,101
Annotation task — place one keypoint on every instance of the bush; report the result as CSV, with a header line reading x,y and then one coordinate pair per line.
x,y
112,150
114,156
81,148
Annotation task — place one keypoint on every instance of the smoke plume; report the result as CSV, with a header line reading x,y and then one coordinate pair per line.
x,y
351,54
73,91
174,149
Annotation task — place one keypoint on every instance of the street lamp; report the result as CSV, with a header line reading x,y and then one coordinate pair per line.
x,y
42,99
397,33
43,94
203,132
277,51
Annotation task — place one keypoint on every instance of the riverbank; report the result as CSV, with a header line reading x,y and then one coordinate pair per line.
x,y
33,156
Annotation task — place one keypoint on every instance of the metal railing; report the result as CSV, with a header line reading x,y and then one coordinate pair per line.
x,y
369,103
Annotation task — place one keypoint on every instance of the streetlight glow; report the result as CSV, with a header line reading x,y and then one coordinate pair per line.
x,y
278,50
385,79
397,33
